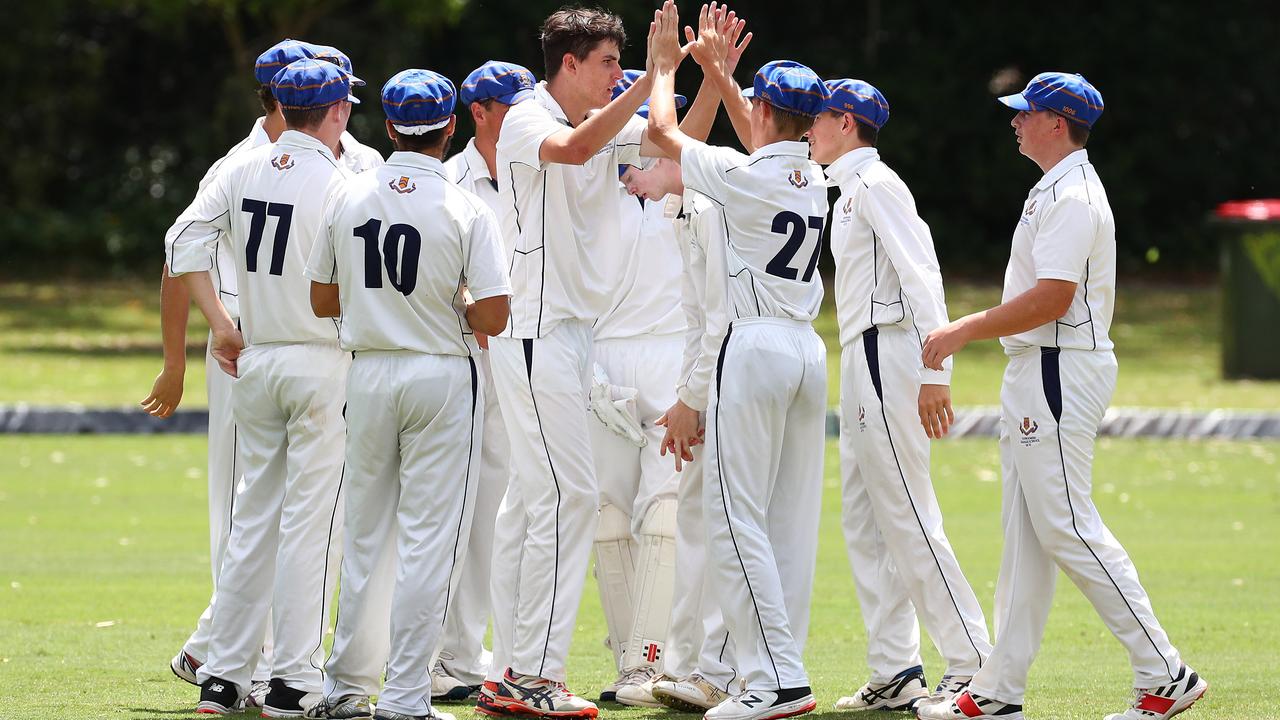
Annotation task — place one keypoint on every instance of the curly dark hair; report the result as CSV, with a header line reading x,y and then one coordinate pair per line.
x,y
577,30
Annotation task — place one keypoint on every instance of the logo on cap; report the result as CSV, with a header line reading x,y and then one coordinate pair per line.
x,y
402,186
798,179
284,162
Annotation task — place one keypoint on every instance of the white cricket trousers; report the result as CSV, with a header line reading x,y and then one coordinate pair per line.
x,y
286,525
1052,403
763,492
698,640
902,562
413,457
224,483
463,653
547,523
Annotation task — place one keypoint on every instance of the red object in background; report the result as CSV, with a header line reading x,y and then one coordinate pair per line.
x,y
1257,210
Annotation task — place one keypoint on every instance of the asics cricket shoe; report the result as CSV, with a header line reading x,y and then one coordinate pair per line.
x,y
347,707
693,694
283,701
635,687
487,702
948,687
764,705
393,715
532,695
447,688
1161,703
219,697
184,666
903,692
967,706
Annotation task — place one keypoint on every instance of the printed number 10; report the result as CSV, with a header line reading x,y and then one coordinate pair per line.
x,y
403,243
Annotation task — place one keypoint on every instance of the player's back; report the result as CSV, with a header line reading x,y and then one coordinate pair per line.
x,y
775,205
275,196
405,238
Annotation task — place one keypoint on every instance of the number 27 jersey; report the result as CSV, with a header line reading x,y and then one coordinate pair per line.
x,y
774,205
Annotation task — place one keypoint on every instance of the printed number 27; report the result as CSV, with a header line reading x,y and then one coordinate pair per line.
x,y
794,226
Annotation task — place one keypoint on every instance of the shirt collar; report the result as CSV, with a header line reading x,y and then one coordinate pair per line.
x,y
297,138
475,161
846,168
782,147
348,142
258,135
1079,157
543,95
416,160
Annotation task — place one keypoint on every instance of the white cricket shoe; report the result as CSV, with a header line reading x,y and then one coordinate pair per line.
x,y
381,714
347,707
764,705
257,696
967,706
1161,703
184,666
693,694
903,692
948,687
447,688
635,687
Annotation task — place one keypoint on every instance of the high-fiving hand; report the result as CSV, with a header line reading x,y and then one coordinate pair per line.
x,y
716,44
665,51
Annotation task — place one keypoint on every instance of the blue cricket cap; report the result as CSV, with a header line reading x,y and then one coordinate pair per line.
x,y
277,56
1067,94
789,86
418,101
629,78
311,83
505,82
860,99
337,57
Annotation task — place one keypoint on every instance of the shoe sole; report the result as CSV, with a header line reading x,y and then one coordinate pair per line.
x,y
458,694
212,708
495,707
792,712
676,702
270,712
640,703
908,706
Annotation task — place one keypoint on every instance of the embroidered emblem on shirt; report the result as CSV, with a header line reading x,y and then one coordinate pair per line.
x,y
402,186
798,179
284,162
1028,429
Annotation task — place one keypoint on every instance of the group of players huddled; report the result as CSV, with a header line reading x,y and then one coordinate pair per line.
x,y
589,328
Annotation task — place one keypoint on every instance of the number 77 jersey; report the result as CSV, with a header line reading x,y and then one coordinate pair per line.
x,y
400,242
269,202
774,206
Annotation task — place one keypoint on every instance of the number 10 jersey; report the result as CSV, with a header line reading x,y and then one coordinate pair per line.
x,y
400,242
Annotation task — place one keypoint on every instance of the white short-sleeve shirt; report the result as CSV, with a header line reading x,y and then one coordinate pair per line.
x,y
399,242
555,218
470,172
646,269
1066,232
774,204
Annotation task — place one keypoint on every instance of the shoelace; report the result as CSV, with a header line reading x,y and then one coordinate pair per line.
x,y
635,676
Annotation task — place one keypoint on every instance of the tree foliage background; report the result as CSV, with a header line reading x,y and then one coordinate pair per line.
x,y
117,107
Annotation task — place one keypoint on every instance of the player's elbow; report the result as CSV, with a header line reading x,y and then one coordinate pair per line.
x,y
489,316
324,300
1055,297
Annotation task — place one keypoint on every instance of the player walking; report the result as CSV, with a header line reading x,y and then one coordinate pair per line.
x,y
766,416
392,248
888,298
289,396
1054,323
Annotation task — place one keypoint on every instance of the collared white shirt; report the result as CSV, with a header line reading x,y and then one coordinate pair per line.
x,y
700,229
555,218
470,172
645,267
356,156
268,201
1066,232
886,268
399,241
774,204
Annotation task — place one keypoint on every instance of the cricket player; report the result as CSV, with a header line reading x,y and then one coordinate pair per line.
x,y
766,416
888,298
487,93
392,247
557,185
288,398
1054,322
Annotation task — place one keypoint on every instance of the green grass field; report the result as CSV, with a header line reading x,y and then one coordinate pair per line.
x,y
104,567
100,346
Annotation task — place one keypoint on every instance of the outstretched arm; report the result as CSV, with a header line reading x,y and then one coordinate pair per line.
x,y
665,55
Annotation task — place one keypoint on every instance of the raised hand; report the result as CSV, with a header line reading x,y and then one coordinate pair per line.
x,y
700,44
733,31
665,51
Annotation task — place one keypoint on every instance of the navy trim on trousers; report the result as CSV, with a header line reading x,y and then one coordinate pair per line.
x,y
871,346
1051,379
555,572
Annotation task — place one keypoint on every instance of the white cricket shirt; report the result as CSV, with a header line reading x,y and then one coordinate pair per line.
x,y
774,204
1066,232
555,218
700,227
356,156
399,242
469,171
269,201
886,268
645,268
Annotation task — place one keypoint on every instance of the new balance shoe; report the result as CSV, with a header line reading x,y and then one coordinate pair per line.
x,y
532,695
185,666
903,692
967,706
347,707
218,697
283,701
949,687
257,694
393,715
693,694
764,705
1161,703
635,687
446,688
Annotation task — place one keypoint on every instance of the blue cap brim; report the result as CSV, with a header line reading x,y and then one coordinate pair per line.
x,y
1017,102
